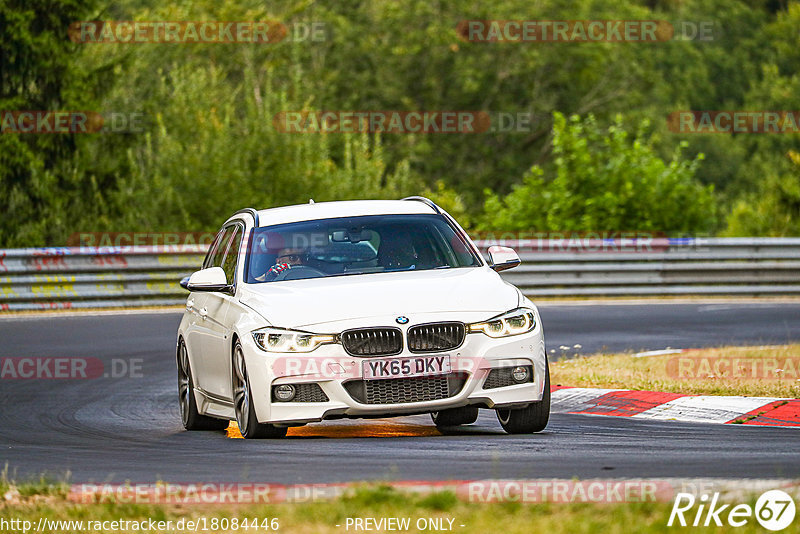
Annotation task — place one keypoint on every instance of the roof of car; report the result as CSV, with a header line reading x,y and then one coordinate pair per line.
x,y
347,208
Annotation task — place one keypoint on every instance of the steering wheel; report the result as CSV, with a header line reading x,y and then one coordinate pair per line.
x,y
299,272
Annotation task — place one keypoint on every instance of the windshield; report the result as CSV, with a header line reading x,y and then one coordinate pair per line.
x,y
355,245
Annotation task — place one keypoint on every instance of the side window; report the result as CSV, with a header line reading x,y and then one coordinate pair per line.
x,y
229,264
219,252
211,248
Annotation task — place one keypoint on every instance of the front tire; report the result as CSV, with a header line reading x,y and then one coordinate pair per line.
x,y
249,426
531,419
464,415
191,417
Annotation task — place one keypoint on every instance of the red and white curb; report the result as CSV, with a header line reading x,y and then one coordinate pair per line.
x,y
753,411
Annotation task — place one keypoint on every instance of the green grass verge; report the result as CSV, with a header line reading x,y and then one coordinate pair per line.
x,y
693,372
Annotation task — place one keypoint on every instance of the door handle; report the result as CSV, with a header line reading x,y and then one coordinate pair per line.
x,y
203,313
190,305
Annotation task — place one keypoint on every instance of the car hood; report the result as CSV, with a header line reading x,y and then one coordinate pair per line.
x,y
470,292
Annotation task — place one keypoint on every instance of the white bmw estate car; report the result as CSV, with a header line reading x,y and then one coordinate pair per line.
x,y
357,309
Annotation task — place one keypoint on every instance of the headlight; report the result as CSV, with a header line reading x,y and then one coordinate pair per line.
x,y
511,323
280,340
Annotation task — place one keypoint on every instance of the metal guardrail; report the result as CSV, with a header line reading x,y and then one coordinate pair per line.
x,y
658,266
87,277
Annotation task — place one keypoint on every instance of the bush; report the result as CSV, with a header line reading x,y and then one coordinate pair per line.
x,y
774,210
601,179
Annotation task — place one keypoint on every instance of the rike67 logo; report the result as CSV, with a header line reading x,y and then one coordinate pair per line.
x,y
774,510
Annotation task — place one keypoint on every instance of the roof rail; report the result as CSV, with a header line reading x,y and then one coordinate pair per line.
x,y
250,211
428,202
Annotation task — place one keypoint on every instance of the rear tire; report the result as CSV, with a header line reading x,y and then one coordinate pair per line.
x,y
531,419
249,426
191,417
464,415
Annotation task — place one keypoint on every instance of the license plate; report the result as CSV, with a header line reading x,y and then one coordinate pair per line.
x,y
406,367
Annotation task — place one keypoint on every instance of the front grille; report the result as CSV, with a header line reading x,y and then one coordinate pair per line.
x,y
403,390
435,337
501,377
373,341
306,393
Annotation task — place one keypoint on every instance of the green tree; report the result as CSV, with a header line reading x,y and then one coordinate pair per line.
x,y
215,149
41,191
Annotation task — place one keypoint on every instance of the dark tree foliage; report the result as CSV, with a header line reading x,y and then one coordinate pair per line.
x,y
39,72
207,144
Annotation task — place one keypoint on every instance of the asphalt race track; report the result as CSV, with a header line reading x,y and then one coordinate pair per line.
x,y
118,429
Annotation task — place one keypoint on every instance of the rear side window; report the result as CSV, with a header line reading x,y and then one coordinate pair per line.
x,y
207,262
229,264
221,247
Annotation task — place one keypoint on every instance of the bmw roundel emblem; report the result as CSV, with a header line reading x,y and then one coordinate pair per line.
x,y
402,319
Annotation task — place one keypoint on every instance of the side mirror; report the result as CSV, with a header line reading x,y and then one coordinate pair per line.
x,y
211,279
502,258
184,283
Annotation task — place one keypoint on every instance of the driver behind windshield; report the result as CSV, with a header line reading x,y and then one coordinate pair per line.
x,y
286,259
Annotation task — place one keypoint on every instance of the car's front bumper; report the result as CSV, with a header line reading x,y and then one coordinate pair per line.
x,y
331,367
